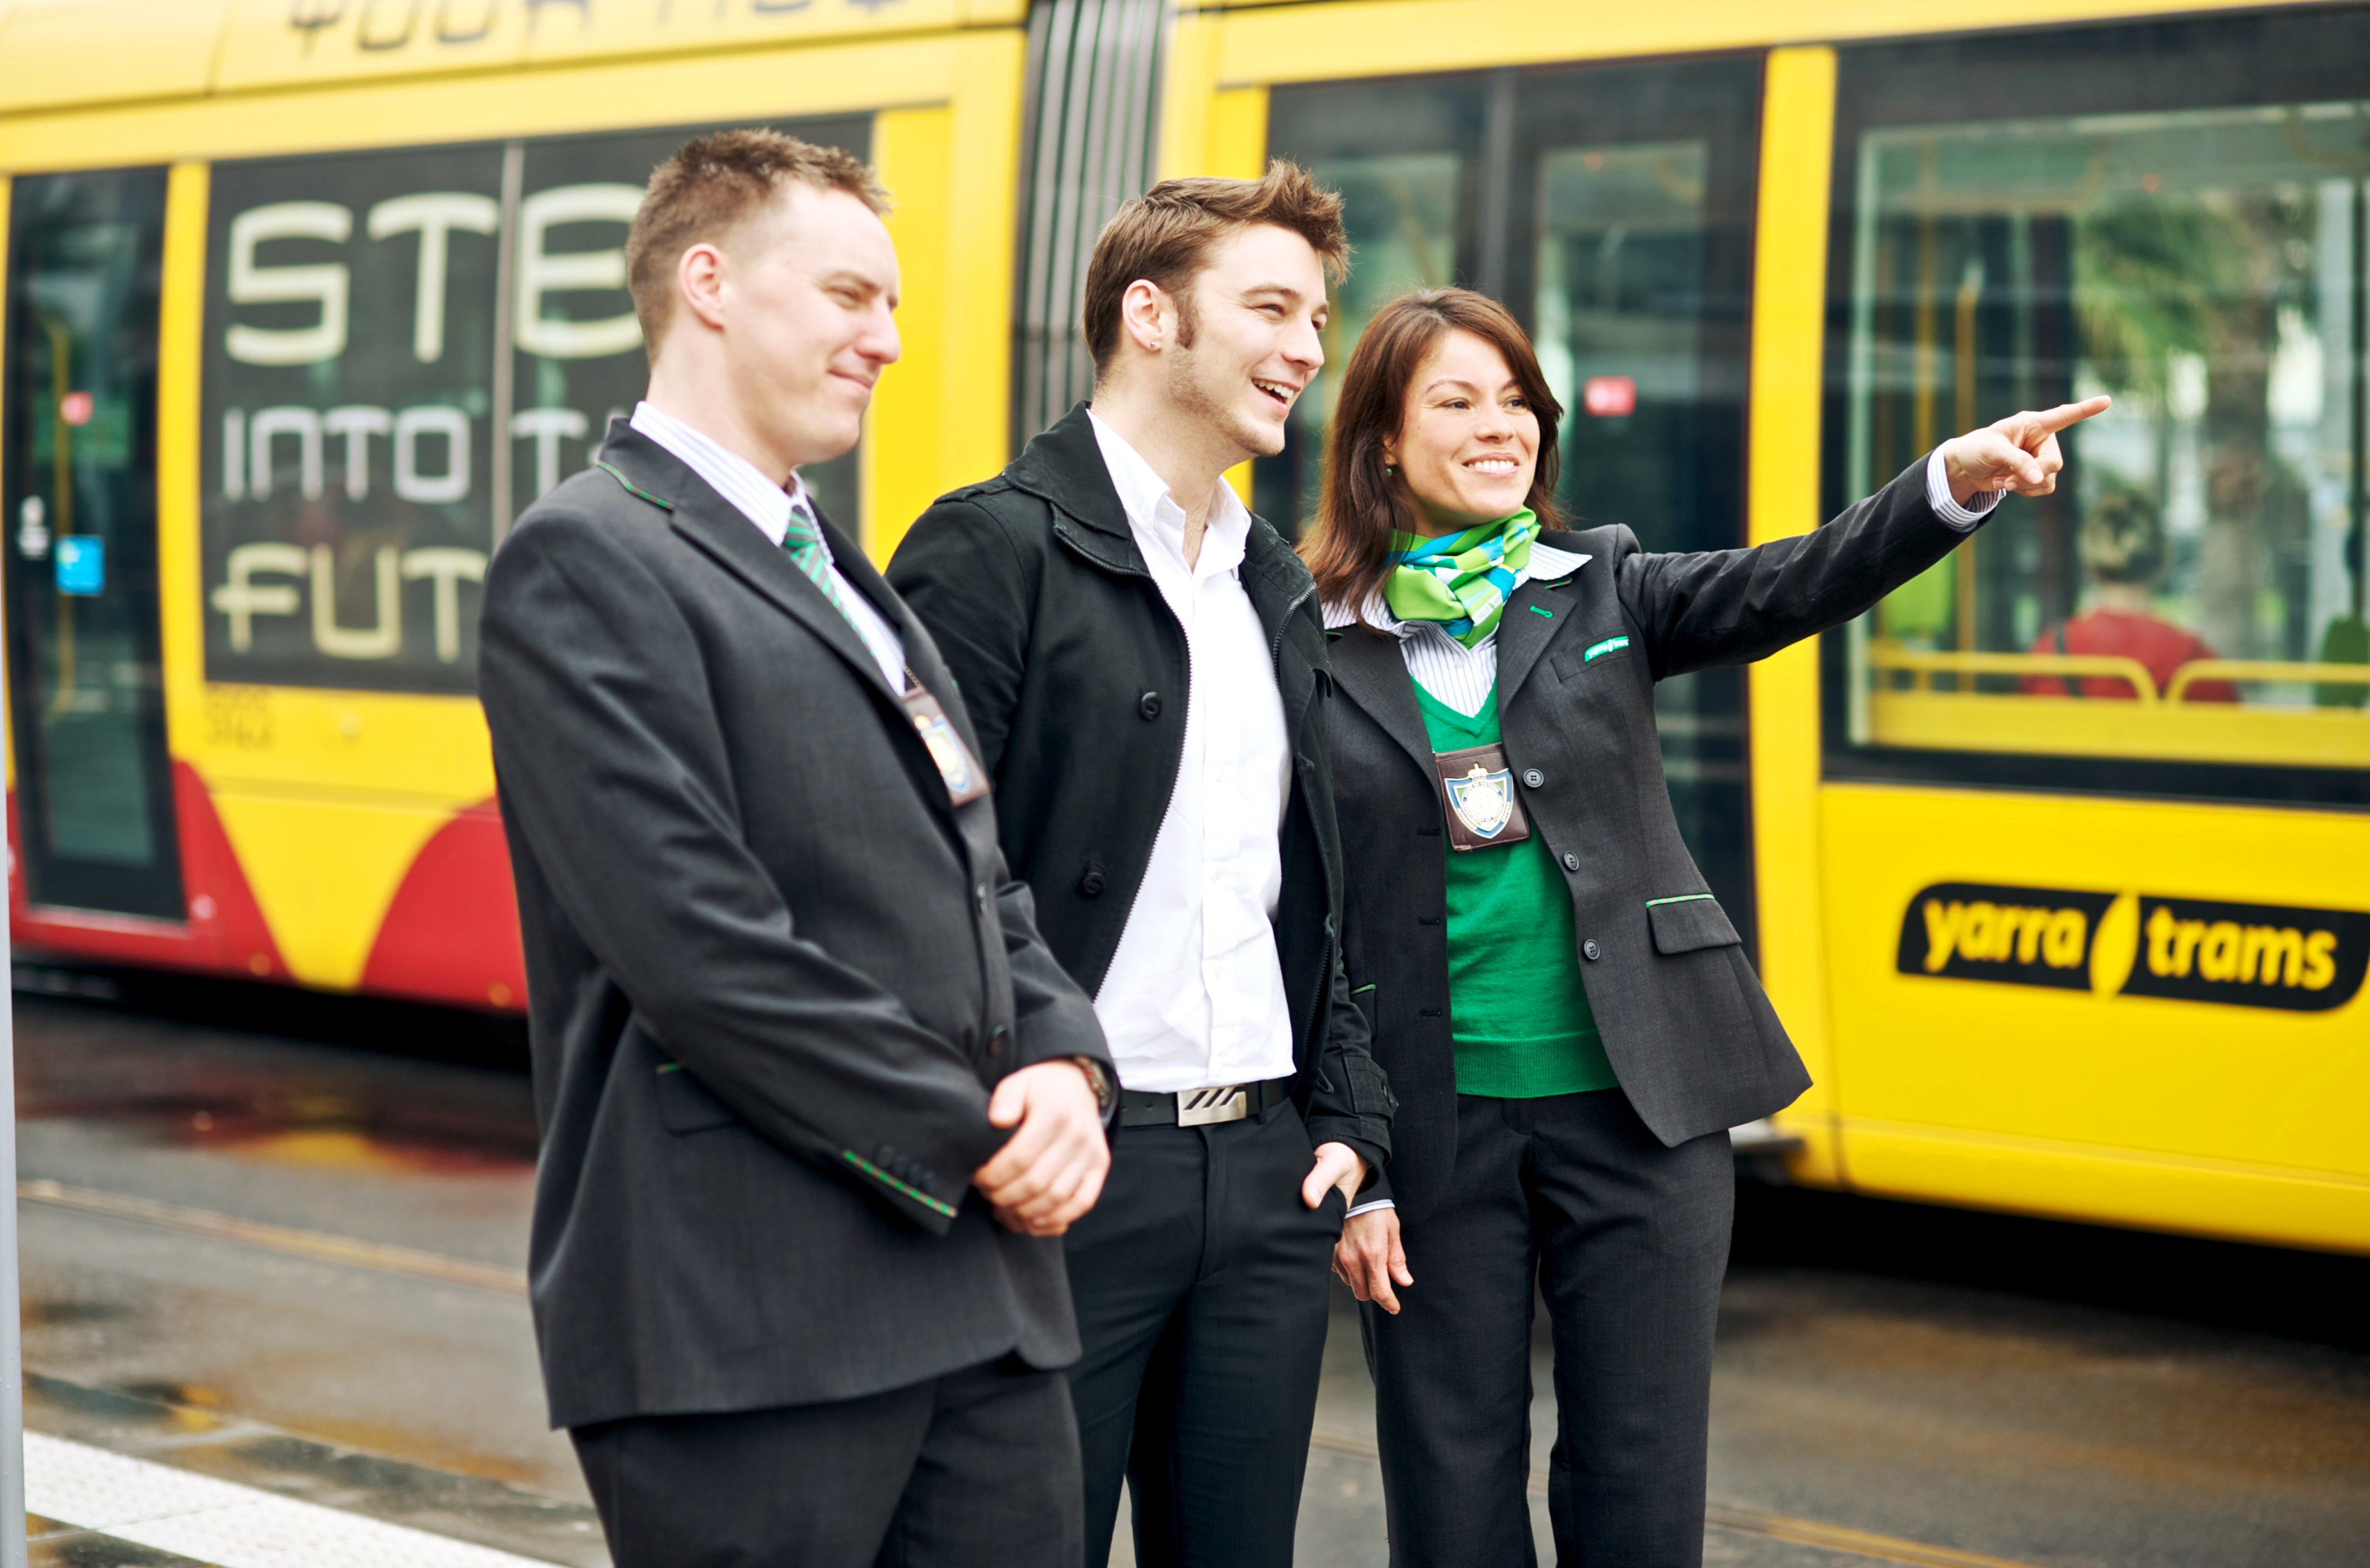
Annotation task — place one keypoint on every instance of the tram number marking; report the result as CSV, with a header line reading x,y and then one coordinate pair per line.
x,y
241,717
2297,960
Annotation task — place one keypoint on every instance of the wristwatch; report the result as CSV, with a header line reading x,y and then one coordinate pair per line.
x,y
1098,1075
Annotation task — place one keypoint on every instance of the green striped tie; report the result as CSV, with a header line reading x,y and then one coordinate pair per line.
x,y
803,543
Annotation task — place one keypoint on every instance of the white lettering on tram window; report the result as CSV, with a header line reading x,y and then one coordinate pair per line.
x,y
324,284
357,422
542,272
248,449
432,215
383,639
302,423
548,427
431,489
240,598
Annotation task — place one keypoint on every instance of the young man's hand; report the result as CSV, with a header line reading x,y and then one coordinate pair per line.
x,y
1337,1165
1369,1258
1051,1170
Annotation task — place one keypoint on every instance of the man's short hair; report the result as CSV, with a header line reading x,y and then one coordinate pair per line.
x,y
712,185
1165,237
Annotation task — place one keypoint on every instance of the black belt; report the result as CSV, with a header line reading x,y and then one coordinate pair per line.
x,y
1197,1107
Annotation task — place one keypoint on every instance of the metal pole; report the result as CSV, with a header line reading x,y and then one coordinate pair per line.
x,y
11,1357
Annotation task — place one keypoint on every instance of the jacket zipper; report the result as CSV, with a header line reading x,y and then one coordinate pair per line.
x,y
1324,968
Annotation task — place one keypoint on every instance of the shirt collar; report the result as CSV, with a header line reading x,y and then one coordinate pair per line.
x,y
1151,509
1547,564
730,474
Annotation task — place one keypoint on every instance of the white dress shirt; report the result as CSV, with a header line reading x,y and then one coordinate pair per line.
x,y
1195,996
769,505
1462,678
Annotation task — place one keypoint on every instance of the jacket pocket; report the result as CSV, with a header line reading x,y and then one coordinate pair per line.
x,y
685,1106
1686,924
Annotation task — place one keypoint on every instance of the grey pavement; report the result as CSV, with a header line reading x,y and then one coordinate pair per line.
x,y
1894,1383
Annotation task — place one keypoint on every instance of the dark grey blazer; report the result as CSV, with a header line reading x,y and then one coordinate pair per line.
x,y
773,971
1690,1034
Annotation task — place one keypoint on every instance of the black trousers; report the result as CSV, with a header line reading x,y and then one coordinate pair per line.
x,y
1627,1241
979,1466
1200,1284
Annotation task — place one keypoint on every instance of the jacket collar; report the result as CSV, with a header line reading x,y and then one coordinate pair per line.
x,y
1065,468
721,530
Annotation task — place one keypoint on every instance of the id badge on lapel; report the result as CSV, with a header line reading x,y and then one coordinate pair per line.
x,y
966,781
1476,785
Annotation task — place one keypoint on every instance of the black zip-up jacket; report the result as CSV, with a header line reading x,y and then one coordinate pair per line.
x,y
1074,669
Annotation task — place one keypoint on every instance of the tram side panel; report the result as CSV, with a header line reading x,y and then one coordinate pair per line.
x,y
2094,845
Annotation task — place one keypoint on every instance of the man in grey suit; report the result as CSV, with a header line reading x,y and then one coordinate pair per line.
x,y
816,1101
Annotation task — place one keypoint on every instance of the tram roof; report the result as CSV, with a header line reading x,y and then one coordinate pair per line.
x,y
71,53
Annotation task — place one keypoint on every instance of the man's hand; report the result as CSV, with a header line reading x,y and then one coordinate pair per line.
x,y
1051,1170
2018,453
1368,1257
1337,1165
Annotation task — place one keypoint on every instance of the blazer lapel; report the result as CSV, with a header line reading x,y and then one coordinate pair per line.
x,y
1373,673
1536,615
716,527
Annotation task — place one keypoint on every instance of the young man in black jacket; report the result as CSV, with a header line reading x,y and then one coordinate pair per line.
x,y
1145,664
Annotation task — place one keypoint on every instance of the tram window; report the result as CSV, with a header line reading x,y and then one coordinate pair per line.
x,y
346,438
578,360
78,474
1610,208
1402,155
354,479
2187,613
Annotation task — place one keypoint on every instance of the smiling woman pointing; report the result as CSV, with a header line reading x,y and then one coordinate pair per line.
x,y
1565,1011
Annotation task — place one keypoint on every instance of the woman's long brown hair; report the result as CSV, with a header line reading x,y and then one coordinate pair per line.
x,y
1363,502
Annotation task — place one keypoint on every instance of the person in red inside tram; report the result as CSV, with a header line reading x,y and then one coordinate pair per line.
x,y
2122,550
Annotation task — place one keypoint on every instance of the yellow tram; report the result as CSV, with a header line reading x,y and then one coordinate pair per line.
x,y
2058,864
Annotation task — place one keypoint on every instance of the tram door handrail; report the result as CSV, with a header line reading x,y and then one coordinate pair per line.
x,y
2283,669
1925,663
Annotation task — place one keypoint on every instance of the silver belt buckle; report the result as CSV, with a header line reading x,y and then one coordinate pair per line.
x,y
1219,1103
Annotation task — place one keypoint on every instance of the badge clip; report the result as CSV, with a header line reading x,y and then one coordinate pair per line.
x,y
1477,787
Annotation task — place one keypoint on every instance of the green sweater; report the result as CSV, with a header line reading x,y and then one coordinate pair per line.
x,y
1521,1023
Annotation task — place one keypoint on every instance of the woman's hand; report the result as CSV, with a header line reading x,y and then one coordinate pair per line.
x,y
1369,1258
2018,453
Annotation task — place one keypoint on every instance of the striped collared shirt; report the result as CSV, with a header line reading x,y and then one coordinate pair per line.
x,y
1458,676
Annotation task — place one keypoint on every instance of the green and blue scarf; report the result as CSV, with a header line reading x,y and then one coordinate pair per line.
x,y
1460,582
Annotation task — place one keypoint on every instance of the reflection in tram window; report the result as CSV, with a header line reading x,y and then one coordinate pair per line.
x,y
2123,549
2204,560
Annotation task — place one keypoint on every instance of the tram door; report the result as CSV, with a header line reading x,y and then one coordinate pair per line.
x,y
78,485
1610,208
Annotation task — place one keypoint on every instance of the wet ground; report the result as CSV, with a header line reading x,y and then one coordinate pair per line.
x,y
274,1242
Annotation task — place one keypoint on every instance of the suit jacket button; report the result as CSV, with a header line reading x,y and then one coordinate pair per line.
x,y
1533,778
1571,860
1149,704
1090,886
996,1038
1590,951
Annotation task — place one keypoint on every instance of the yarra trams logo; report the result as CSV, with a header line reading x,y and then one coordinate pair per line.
x,y
2137,945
